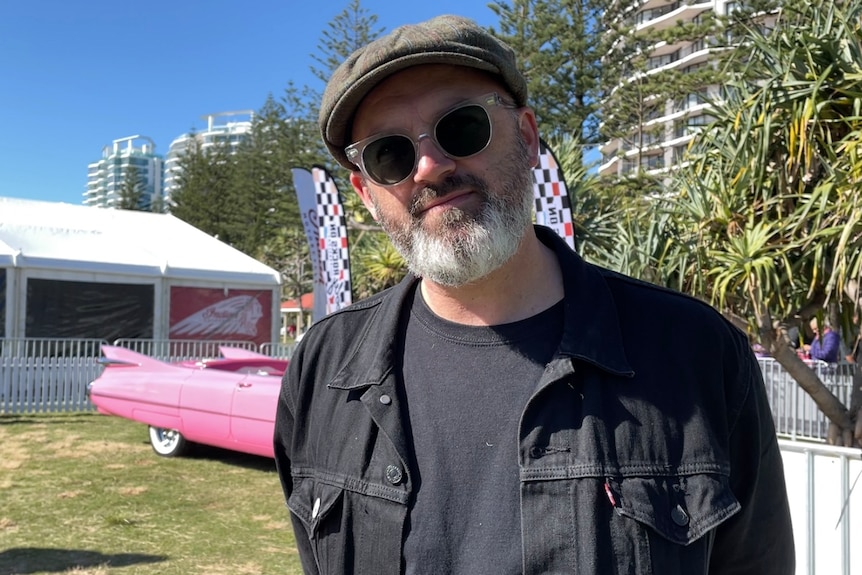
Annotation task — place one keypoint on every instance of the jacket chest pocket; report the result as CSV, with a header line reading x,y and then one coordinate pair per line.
x,y
352,527
622,524
664,523
320,508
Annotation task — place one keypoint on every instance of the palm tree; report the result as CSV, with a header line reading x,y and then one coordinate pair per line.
x,y
768,199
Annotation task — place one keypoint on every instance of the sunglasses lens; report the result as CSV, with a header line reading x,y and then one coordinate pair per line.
x,y
461,133
390,159
464,131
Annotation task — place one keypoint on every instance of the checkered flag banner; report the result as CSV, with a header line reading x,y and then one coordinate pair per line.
x,y
552,200
306,197
334,256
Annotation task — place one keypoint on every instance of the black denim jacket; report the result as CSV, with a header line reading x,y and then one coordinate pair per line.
x,y
647,447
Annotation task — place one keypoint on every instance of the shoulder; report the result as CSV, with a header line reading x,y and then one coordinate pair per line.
x,y
341,333
666,310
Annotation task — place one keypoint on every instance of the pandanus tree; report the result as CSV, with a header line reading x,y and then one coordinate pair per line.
x,y
767,207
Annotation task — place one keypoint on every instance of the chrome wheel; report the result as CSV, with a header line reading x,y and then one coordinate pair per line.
x,y
167,442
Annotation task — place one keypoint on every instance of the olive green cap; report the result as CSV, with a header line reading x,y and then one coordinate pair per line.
x,y
442,40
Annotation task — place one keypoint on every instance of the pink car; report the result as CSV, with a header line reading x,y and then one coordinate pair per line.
x,y
227,402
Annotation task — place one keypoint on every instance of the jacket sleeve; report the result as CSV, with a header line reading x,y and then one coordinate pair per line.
x,y
284,440
759,539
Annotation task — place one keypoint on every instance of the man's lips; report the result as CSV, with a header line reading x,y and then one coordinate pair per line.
x,y
450,198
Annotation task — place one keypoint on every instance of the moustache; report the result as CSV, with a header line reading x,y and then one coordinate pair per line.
x,y
453,183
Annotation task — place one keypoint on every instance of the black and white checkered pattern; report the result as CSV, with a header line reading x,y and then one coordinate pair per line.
x,y
334,253
552,199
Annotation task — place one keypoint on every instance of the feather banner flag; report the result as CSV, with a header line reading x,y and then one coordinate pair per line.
x,y
327,237
306,197
553,208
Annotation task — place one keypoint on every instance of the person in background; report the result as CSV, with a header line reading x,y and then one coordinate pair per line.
x,y
499,411
825,345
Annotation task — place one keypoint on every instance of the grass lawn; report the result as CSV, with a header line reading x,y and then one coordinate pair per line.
x,y
86,494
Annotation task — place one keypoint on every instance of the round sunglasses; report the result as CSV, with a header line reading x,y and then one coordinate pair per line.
x,y
463,131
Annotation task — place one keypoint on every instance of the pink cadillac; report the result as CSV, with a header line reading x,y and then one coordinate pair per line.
x,y
228,402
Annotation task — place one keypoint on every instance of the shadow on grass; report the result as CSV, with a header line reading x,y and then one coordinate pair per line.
x,y
47,419
227,457
24,560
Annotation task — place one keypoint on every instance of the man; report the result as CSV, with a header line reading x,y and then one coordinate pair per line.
x,y
499,411
825,346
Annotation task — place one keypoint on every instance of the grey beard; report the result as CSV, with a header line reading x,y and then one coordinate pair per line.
x,y
468,246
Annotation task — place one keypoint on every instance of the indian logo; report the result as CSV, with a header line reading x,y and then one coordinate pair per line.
x,y
236,315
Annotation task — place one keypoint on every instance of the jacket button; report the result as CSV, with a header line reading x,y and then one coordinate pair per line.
x,y
679,516
385,399
393,474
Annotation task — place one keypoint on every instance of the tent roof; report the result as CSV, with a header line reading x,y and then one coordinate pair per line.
x,y
50,235
7,255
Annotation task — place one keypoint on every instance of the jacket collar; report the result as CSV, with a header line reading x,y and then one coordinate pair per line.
x,y
591,332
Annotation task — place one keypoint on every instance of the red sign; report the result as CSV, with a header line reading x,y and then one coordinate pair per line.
x,y
218,314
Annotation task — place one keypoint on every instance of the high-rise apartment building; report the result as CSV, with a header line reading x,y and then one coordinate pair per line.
x,y
659,142
224,128
130,155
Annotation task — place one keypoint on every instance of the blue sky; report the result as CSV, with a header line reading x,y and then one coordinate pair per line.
x,y
76,75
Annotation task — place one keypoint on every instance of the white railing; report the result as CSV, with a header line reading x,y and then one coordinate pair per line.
x,y
794,411
181,349
825,492
42,375
51,375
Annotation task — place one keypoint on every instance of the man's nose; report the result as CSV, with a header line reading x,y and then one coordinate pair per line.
x,y
432,164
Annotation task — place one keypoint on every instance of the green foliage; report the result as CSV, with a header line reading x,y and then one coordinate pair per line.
x,y
131,190
261,180
245,196
557,44
768,197
205,196
375,263
287,252
771,190
638,86
353,28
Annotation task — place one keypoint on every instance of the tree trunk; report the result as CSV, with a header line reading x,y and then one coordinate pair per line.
x,y
830,405
842,428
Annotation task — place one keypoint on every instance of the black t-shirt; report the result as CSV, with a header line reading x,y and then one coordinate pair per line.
x,y
466,388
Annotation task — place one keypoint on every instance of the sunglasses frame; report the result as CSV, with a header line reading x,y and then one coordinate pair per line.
x,y
355,152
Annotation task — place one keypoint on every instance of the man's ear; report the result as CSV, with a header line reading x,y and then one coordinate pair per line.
x,y
530,133
358,183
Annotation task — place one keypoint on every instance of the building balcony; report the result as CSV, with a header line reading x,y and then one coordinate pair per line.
x,y
662,18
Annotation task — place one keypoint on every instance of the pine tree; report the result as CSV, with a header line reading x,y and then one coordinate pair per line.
x,y
353,28
262,179
640,87
203,197
131,190
557,44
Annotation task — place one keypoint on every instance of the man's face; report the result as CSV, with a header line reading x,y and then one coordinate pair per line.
x,y
453,220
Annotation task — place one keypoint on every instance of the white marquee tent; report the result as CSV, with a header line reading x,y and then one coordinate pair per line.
x,y
45,242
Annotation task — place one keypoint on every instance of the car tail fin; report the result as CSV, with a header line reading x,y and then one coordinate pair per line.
x,y
121,356
228,352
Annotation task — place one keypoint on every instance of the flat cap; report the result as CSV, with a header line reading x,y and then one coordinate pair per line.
x,y
442,40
